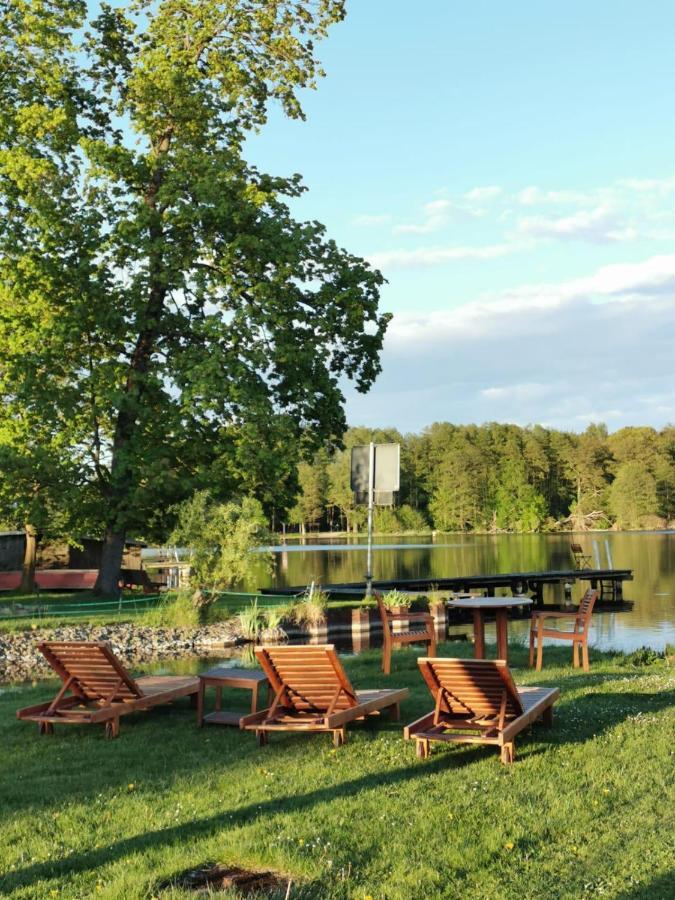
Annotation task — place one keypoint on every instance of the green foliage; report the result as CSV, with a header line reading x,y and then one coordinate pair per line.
x,y
385,520
644,656
392,599
313,488
411,519
250,622
220,538
497,477
173,611
632,496
309,610
160,307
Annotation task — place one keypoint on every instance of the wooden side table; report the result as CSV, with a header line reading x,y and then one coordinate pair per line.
x,y
220,677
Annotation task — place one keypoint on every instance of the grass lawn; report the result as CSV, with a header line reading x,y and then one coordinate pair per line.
x,y
587,809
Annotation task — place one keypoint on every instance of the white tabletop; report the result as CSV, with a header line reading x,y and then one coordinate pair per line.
x,y
491,602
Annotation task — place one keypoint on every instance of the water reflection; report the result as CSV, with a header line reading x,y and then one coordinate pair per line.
x,y
649,554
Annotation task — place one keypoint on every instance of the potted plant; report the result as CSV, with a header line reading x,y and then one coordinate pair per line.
x,y
309,611
396,601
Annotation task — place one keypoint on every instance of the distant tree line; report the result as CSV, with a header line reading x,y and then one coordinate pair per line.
x,y
494,477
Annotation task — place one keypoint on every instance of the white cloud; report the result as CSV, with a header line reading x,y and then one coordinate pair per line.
x,y
367,221
549,353
483,194
436,214
649,185
436,256
598,225
527,390
534,196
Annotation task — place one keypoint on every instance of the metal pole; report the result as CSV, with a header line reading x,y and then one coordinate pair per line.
x,y
371,498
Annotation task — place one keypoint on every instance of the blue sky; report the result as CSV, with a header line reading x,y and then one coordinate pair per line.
x,y
511,170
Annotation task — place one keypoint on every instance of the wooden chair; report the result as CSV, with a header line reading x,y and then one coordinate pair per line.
x,y
391,638
578,635
312,693
477,702
97,689
581,559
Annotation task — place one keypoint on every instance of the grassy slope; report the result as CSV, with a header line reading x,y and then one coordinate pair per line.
x,y
587,809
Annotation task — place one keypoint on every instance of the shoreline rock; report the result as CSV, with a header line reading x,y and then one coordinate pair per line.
x,y
20,660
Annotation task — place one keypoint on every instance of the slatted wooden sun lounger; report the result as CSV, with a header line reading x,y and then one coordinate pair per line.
x,y
97,689
477,702
312,693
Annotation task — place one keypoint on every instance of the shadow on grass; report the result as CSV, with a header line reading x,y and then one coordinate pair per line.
x,y
210,825
660,888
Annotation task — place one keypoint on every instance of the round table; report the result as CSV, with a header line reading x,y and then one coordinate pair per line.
x,y
497,605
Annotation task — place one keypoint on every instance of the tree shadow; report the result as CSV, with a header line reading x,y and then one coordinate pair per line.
x,y
246,815
593,714
660,888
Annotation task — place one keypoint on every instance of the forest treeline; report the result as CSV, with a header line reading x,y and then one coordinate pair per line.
x,y
496,477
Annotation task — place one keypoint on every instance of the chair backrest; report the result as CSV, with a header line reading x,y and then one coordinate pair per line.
x,y
386,622
95,672
311,676
472,687
585,611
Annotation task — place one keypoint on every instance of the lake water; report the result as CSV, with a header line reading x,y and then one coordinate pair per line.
x,y
651,556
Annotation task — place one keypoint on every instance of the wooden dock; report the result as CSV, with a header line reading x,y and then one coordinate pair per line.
x,y
608,581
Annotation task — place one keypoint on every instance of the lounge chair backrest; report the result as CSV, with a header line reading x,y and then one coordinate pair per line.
x,y
476,687
585,611
311,675
92,668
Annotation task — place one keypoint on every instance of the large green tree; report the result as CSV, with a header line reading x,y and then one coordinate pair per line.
x,y
155,287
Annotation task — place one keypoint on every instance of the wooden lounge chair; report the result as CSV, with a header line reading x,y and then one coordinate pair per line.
x,y
478,703
578,635
391,638
97,689
312,693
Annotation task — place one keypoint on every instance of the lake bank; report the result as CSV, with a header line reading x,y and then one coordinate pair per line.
x,y
20,660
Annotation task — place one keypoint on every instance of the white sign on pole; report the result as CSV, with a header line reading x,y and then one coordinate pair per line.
x,y
375,477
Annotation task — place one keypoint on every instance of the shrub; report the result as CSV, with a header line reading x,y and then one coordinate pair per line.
x,y
272,618
644,656
310,609
220,538
250,621
412,519
173,611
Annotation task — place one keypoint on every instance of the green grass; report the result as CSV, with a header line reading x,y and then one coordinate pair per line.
x,y
586,810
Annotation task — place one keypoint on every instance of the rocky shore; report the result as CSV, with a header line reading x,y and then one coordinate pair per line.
x,y
20,660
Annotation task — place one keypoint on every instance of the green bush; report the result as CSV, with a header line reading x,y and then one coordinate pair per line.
x,y
411,519
250,621
173,611
644,656
310,609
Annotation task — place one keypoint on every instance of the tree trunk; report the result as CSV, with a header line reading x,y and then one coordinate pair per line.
x,y
107,583
29,562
